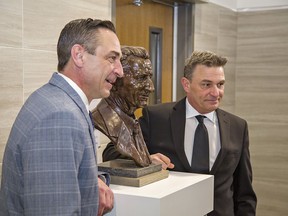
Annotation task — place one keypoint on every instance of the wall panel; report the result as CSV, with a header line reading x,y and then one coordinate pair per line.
x,y
262,98
216,30
28,37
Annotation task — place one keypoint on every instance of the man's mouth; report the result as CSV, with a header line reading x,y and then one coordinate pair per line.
x,y
110,81
144,97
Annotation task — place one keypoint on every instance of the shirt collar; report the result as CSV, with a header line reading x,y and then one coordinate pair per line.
x,y
192,112
77,89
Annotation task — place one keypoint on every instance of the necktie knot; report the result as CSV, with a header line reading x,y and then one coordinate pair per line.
x,y
200,118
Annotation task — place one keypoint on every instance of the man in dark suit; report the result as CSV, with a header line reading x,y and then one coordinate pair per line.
x,y
169,129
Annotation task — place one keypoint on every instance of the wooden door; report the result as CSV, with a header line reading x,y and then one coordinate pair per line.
x,y
133,24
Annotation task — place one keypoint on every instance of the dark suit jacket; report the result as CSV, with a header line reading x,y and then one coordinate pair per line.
x,y
163,128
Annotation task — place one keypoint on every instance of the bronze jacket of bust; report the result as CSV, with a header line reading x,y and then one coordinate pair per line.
x,y
123,130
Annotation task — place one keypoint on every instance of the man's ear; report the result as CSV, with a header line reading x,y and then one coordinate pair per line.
x,y
185,84
77,52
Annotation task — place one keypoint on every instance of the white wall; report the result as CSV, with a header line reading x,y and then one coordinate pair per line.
x,y
261,3
232,4
250,4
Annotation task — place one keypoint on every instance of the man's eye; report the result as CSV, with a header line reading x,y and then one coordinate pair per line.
x,y
220,85
144,78
112,59
205,85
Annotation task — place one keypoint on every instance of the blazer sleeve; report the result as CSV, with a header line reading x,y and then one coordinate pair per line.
x,y
244,196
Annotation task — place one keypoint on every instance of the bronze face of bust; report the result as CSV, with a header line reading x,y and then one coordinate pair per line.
x,y
114,116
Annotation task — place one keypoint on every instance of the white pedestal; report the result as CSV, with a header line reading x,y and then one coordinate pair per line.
x,y
179,194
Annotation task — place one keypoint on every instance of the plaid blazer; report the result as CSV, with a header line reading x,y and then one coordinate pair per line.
x,y
49,165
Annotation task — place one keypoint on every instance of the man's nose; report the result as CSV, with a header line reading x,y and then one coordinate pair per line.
x,y
150,85
214,91
118,70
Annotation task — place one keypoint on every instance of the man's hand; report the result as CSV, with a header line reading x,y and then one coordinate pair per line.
x,y
162,159
106,198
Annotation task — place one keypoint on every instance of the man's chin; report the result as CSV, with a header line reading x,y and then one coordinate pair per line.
x,y
105,94
212,108
143,104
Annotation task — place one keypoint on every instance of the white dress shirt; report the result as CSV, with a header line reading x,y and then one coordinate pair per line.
x,y
78,90
211,123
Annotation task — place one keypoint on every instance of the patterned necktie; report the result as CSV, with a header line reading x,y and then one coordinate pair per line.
x,y
91,118
200,155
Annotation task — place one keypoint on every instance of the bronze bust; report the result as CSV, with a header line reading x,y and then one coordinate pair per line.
x,y
114,116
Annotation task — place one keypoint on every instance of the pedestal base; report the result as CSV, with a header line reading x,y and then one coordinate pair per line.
x,y
140,181
125,172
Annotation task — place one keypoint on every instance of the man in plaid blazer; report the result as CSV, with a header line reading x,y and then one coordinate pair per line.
x,y
50,164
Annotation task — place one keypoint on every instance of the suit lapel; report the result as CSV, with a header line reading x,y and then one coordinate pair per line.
x,y
58,81
224,130
178,120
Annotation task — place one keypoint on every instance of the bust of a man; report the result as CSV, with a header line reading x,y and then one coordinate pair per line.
x,y
114,116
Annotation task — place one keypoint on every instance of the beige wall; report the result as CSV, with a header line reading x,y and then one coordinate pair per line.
x,y
256,45
262,98
29,32
216,30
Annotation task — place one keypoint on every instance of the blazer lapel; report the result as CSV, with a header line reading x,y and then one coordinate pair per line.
x,y
58,81
224,129
177,125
